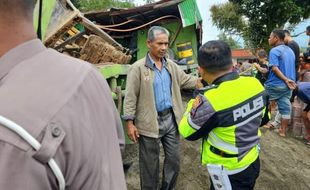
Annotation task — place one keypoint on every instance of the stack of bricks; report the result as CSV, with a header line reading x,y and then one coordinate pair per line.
x,y
298,128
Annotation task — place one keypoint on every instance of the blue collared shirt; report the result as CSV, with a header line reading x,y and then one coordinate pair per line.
x,y
282,57
304,91
161,86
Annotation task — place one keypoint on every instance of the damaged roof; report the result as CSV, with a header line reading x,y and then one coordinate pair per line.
x,y
242,54
186,10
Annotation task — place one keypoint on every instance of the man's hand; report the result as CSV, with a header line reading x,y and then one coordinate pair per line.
x,y
290,84
256,65
132,132
199,83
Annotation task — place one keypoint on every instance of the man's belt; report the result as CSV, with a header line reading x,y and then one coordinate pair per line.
x,y
164,112
222,153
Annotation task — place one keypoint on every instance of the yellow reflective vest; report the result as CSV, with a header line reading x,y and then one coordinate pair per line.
x,y
227,116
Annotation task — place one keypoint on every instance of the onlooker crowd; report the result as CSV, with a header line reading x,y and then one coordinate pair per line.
x,y
282,73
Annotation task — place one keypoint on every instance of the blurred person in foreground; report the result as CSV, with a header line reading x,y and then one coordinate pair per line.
x,y
226,115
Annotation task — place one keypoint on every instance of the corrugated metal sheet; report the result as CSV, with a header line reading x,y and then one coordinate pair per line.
x,y
189,12
242,53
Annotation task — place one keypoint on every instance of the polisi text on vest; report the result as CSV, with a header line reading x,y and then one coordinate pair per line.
x,y
248,108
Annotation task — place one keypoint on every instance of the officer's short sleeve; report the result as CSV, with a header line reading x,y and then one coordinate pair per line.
x,y
198,113
184,128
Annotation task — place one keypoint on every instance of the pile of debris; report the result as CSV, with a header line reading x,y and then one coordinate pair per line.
x,y
71,33
98,51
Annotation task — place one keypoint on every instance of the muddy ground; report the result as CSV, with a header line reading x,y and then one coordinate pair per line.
x,y
285,165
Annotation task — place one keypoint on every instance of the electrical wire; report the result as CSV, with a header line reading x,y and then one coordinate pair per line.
x,y
296,35
120,24
138,27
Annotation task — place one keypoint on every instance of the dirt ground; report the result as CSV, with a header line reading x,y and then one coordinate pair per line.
x,y
285,165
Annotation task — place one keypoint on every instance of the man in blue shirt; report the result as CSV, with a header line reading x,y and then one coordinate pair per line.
x,y
152,109
280,82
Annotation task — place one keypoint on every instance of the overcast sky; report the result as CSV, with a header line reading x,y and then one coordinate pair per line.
x,y
210,32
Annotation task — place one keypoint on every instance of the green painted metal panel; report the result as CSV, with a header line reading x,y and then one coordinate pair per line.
x,y
141,44
187,34
110,72
189,12
114,70
47,10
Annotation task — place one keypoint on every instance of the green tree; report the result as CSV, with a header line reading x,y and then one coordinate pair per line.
x,y
91,5
254,20
233,44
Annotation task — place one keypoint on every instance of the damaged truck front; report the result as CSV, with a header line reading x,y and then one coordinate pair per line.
x,y
114,39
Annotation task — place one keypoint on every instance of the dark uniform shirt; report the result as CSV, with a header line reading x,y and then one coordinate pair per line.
x,y
295,47
66,105
262,77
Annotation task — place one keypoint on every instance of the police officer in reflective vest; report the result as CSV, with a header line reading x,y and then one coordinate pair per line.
x,y
226,115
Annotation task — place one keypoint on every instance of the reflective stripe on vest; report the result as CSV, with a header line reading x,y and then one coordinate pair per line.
x,y
191,123
219,143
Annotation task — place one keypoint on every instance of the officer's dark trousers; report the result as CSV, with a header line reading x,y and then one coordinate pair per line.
x,y
149,149
244,180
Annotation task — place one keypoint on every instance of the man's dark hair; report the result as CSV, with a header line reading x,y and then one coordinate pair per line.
x,y
287,32
279,33
306,57
308,28
215,56
23,7
261,53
